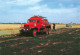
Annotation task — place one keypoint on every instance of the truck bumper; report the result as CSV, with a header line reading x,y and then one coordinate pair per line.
x,y
27,30
23,32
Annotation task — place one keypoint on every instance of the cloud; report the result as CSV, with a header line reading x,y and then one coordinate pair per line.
x,y
46,9
69,1
23,2
18,10
53,15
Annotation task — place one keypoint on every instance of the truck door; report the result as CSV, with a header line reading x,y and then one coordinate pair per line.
x,y
38,24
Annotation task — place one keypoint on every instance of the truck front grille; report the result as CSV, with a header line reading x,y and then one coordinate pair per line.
x,y
26,26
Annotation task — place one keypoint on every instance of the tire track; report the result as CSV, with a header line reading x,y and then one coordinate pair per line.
x,y
58,31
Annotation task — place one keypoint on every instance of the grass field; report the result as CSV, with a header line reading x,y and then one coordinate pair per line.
x,y
62,42
60,26
76,26
9,26
17,26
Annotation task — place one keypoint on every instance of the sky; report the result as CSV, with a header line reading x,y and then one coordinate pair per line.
x,y
56,11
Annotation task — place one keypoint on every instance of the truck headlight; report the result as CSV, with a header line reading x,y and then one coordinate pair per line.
x,y
27,29
24,29
34,24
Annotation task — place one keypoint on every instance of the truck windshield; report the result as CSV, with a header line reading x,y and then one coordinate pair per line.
x,y
32,21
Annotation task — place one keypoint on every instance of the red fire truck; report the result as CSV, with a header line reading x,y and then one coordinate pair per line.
x,y
36,24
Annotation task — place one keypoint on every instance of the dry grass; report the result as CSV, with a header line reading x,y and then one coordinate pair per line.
x,y
76,26
17,26
58,26
9,26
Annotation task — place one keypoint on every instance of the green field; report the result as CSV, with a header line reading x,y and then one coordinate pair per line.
x,y
63,42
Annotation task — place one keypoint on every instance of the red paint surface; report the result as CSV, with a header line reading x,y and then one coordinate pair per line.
x,y
42,22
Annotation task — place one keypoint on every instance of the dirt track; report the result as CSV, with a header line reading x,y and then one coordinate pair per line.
x,y
58,31
59,42
9,32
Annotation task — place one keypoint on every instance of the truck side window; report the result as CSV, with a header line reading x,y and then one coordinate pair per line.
x,y
38,21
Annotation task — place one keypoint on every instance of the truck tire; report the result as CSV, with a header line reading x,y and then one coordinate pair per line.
x,y
34,33
21,32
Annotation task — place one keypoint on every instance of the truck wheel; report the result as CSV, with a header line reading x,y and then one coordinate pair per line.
x,y
21,32
34,33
